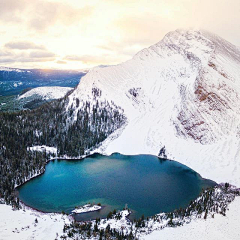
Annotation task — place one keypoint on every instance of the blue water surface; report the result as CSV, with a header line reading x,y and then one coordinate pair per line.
x,y
147,184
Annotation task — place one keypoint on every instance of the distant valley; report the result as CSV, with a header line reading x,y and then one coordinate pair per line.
x,y
15,82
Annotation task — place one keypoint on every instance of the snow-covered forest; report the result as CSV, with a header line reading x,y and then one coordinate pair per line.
x,y
53,126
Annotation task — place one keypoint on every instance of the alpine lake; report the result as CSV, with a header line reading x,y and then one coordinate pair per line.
x,y
145,184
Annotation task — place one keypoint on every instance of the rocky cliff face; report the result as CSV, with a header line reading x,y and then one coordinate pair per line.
x,y
182,93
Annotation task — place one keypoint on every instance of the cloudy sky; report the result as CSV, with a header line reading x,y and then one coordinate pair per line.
x,y
75,34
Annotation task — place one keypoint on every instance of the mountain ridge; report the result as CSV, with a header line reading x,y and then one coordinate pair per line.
x,y
181,93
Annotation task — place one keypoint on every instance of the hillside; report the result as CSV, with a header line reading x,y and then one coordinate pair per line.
x,y
32,98
181,93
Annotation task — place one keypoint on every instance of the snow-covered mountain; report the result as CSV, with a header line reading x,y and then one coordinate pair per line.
x,y
7,69
33,98
46,93
182,93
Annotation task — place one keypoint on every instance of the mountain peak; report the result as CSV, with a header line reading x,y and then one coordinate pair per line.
x,y
182,92
181,41
198,43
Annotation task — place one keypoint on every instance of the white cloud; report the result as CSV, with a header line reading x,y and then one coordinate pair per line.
x,y
97,32
41,54
23,45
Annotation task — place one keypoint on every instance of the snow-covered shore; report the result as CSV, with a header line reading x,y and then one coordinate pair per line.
x,y
30,224
210,205
217,228
21,225
167,232
87,208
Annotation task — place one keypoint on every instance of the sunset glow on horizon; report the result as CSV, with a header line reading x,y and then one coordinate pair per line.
x,y
77,34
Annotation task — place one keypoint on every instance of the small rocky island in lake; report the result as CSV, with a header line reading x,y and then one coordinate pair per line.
x,y
87,208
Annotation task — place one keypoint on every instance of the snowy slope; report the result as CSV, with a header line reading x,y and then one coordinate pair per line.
x,y
182,93
46,93
217,228
21,224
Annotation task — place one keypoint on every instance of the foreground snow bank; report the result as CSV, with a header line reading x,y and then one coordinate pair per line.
x,y
217,228
30,224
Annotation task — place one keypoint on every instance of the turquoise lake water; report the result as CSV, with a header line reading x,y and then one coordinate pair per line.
x,y
147,184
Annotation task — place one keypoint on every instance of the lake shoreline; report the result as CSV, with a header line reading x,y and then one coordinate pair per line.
x,y
91,154
133,166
